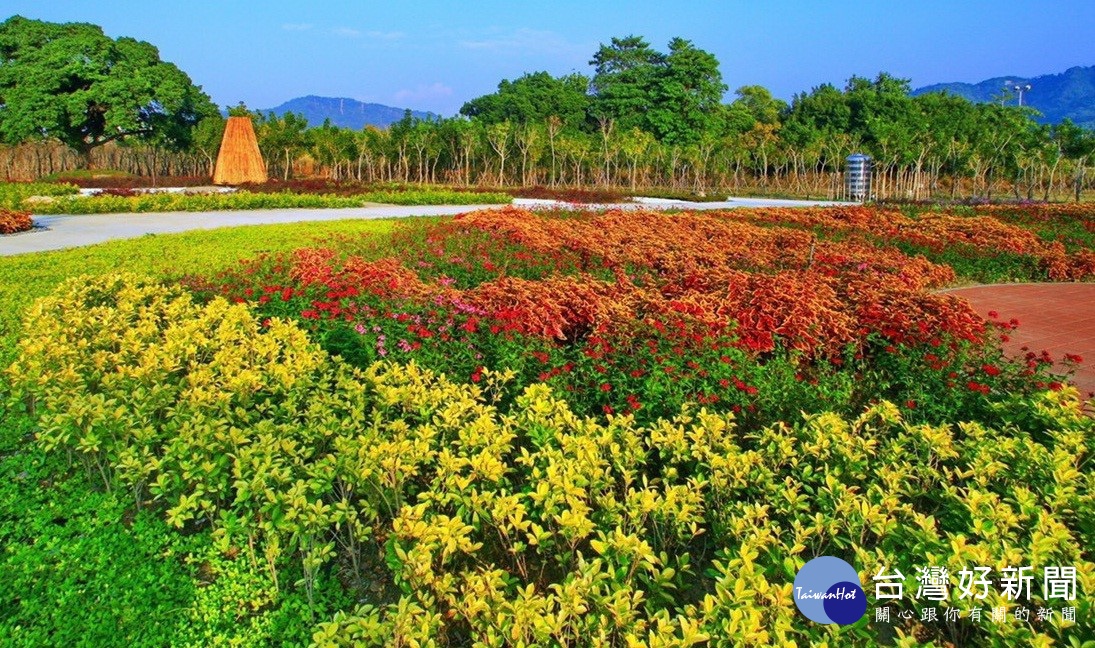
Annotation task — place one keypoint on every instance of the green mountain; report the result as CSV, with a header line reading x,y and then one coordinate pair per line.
x,y
1070,94
347,113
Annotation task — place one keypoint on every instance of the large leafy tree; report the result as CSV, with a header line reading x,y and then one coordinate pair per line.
x,y
624,76
533,98
688,91
73,83
674,96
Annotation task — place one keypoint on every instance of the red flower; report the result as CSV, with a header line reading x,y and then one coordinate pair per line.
x,y
477,375
910,404
993,314
978,387
608,409
1056,386
990,370
606,387
1072,357
286,294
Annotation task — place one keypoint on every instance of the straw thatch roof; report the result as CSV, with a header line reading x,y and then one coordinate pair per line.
x,y
239,160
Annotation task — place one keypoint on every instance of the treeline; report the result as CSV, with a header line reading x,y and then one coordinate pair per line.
x,y
644,119
611,131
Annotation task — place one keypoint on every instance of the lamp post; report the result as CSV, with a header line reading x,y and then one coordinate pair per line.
x,y
1019,89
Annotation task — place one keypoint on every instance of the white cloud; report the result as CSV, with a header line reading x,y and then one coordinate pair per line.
x,y
296,26
436,90
525,40
346,32
382,35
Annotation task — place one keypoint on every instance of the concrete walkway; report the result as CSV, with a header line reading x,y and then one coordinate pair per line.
x,y
59,232
1056,317
75,231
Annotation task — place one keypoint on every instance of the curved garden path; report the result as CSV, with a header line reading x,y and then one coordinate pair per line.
x,y
1057,317
59,232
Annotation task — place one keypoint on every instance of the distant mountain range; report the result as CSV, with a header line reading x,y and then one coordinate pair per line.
x,y
347,113
1070,94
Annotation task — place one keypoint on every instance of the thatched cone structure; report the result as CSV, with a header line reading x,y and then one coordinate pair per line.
x,y
239,160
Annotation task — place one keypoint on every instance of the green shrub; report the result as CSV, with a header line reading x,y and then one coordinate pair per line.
x,y
243,200
12,194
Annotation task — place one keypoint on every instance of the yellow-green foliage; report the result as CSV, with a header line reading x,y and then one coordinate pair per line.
x,y
12,194
171,202
534,526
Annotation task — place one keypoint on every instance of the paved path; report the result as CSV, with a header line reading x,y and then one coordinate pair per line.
x,y
1057,317
75,231
61,232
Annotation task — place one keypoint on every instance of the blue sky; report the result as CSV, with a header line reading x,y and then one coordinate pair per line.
x,y
437,55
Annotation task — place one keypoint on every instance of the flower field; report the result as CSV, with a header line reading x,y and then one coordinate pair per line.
x,y
619,428
636,312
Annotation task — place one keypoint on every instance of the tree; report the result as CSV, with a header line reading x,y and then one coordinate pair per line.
x,y
687,92
1078,145
73,83
529,139
207,138
672,96
533,98
635,144
283,139
498,138
758,102
623,81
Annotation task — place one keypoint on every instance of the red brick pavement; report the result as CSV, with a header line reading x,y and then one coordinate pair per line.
x,y
1057,317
